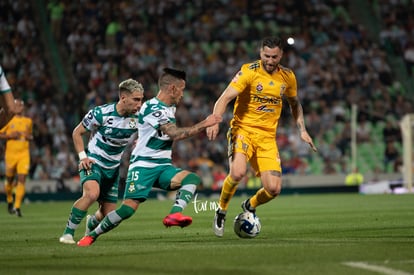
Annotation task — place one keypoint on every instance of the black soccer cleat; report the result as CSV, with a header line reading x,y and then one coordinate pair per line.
x,y
10,208
247,207
18,212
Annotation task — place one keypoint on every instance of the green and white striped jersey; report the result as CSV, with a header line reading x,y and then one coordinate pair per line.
x,y
110,134
153,147
4,85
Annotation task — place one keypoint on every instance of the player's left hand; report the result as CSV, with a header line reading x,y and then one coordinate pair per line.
x,y
306,138
85,164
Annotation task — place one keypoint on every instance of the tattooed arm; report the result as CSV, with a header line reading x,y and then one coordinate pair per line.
x,y
297,112
177,133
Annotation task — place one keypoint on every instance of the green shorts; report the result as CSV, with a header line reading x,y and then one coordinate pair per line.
x,y
107,179
141,180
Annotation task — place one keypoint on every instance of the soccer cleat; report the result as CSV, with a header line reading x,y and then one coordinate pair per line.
x,y
247,207
177,219
67,239
10,208
18,212
87,230
86,241
218,222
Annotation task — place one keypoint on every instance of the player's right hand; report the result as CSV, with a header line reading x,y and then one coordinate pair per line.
x,y
212,131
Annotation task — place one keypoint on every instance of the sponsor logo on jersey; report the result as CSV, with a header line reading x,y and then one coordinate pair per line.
x,y
86,122
113,141
141,187
266,99
263,108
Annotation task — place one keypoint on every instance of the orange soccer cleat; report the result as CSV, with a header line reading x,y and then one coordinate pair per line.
x,y
86,241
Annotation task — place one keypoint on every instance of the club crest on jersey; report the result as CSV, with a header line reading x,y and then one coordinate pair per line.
x,y
131,187
259,88
132,123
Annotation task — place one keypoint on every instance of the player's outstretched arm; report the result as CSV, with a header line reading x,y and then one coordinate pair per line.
x,y
219,108
177,133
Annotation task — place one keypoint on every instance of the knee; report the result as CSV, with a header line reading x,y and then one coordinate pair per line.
x,y
273,190
91,195
90,191
237,175
237,172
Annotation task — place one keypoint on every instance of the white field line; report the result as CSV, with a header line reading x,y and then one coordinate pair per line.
x,y
376,268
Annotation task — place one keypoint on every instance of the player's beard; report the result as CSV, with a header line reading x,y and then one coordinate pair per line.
x,y
178,100
270,68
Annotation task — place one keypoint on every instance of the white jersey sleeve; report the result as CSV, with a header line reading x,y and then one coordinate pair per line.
x,y
4,85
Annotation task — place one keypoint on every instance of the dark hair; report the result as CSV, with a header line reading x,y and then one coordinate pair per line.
x,y
170,76
272,42
176,73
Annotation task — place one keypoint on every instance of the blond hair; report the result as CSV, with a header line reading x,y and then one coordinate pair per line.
x,y
130,85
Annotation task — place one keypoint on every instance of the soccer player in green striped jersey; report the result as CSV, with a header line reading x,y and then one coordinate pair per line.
x,y
151,163
7,107
112,126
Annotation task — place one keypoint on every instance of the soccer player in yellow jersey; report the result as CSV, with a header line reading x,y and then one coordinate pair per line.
x,y
258,89
18,133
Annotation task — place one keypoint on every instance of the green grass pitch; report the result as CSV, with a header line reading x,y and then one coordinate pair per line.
x,y
301,234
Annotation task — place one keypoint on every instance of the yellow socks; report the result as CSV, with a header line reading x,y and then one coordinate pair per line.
x,y
261,197
20,190
227,192
8,188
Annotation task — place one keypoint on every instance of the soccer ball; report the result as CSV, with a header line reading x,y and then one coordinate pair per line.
x,y
247,225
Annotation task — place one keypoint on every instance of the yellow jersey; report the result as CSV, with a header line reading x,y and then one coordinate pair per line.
x,y
259,103
22,125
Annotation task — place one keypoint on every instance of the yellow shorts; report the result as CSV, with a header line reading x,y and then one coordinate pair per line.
x,y
17,164
261,150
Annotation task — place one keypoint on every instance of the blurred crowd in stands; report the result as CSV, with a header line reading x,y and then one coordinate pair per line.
x,y
336,60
